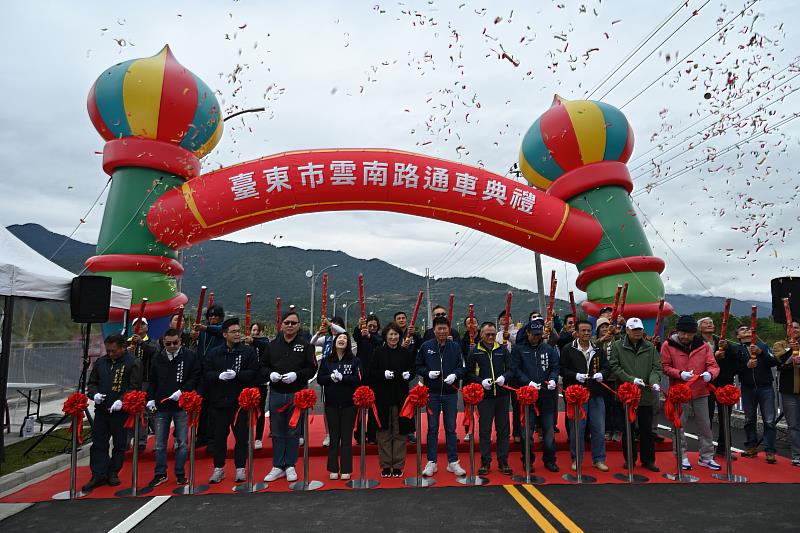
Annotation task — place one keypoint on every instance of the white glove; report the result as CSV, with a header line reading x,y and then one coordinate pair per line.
x,y
98,398
501,380
151,405
450,379
333,377
487,383
598,377
227,375
638,381
289,377
406,375
116,406
175,396
706,376
581,377
551,385
274,377
389,374
339,376
656,387
534,385
434,374
687,375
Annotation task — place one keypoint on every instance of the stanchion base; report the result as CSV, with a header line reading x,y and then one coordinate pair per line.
x,y
305,485
635,478
473,480
125,493
733,478
362,484
529,480
65,495
585,478
420,481
184,490
257,487
682,478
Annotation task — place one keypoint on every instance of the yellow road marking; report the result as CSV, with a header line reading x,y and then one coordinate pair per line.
x,y
537,517
571,526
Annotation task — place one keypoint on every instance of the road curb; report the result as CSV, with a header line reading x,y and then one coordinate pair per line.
x,y
13,480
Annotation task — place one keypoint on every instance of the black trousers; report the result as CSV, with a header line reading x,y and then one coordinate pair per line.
x,y
264,390
107,426
495,410
644,416
712,406
516,425
340,427
223,418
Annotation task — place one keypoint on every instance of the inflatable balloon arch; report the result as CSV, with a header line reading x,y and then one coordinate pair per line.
x,y
159,120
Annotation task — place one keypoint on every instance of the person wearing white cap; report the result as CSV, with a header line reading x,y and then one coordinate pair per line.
x,y
635,359
142,347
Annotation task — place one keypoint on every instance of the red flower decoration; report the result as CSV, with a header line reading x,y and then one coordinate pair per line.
x,y
191,402
630,395
133,403
74,406
250,399
363,397
417,397
527,395
473,394
678,394
728,395
303,399
575,396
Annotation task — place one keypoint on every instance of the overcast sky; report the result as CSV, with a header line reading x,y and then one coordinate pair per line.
x,y
430,77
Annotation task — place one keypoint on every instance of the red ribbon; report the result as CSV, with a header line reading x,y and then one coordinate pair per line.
x,y
133,403
630,395
417,397
527,395
364,398
473,395
191,402
303,399
678,395
575,396
249,401
74,406
726,395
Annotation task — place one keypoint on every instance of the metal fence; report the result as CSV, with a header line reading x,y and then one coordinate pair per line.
x,y
57,362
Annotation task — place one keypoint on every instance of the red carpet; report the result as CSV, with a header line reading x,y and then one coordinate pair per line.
x,y
757,470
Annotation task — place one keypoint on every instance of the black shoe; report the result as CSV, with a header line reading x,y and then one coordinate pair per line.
x,y
386,472
113,479
484,469
652,467
504,468
551,467
93,483
657,438
142,447
181,480
396,472
157,480
556,430
412,439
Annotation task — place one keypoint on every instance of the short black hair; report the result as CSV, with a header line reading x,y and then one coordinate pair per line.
x,y
392,326
397,314
502,314
116,338
435,307
579,322
215,310
172,332
567,317
233,321
289,313
439,320
338,321
371,318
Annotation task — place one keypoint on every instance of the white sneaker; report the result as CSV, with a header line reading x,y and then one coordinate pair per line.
x,y
327,440
455,468
302,441
291,474
258,445
334,475
345,476
274,474
709,463
686,465
430,469
467,437
217,476
240,475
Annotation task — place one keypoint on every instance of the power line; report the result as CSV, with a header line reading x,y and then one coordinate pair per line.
x,y
81,221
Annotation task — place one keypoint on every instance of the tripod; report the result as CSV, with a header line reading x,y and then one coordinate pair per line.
x,y
81,388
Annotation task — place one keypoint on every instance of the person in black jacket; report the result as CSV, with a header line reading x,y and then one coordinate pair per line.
x,y
340,374
394,369
414,341
585,363
111,377
229,369
174,370
142,347
289,363
186,338
430,334
206,337
726,360
368,338
489,364
260,342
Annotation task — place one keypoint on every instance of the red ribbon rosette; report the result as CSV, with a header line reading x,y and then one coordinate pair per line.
x,y
74,407
417,397
575,396
250,401
133,403
303,399
191,402
527,395
473,395
728,395
630,395
678,394
364,398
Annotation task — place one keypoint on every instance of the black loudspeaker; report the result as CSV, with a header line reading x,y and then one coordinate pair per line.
x,y
785,288
90,299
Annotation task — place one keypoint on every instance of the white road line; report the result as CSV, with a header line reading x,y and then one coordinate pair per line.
x,y
140,514
693,436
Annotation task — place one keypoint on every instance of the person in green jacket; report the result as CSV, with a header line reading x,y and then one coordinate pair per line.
x,y
636,360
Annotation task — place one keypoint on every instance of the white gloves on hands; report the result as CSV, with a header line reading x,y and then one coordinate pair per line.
x,y
289,377
406,375
534,385
551,385
501,380
151,405
434,374
339,376
116,406
98,398
581,377
487,383
686,375
706,376
598,376
450,379
175,396
656,387
274,377
227,375
638,381
388,374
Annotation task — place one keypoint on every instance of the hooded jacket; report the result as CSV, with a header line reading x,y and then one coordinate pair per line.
x,y
483,363
697,357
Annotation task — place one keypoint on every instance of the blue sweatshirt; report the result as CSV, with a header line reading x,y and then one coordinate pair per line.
x,y
447,359
537,364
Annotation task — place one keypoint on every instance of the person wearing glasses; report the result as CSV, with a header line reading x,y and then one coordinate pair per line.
x,y
228,370
174,370
440,311
289,363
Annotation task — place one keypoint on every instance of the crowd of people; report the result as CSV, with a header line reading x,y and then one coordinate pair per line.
x,y
218,359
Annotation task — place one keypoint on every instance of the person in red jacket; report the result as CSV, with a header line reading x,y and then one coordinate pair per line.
x,y
685,356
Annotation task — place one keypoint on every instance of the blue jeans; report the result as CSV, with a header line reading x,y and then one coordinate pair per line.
x,y
546,419
285,440
596,415
163,419
447,403
791,408
762,398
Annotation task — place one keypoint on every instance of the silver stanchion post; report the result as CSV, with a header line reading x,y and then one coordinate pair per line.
x,y
472,479
726,430
305,483
73,492
134,490
578,439
419,480
528,477
251,485
191,488
679,475
630,477
362,482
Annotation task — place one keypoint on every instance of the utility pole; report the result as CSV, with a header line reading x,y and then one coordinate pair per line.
x,y
428,292
539,282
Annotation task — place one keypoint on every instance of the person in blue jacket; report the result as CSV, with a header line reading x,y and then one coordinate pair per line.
x,y
535,363
441,365
340,375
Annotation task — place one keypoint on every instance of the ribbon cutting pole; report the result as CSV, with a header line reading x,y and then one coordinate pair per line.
x,y
419,480
577,437
134,490
679,475
362,482
472,479
528,477
630,477
73,493
305,483
251,485
191,488
726,428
